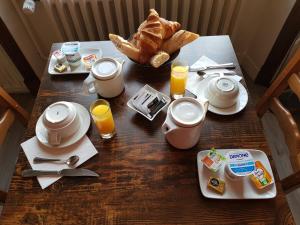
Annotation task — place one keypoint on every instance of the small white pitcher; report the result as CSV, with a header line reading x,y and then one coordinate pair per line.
x,y
105,78
184,121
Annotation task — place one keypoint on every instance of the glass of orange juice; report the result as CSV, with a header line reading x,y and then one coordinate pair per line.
x,y
103,118
179,74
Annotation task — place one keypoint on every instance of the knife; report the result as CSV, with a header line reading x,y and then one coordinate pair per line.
x,y
64,172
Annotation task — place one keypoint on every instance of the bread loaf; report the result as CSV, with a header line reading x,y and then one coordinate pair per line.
x,y
160,58
178,40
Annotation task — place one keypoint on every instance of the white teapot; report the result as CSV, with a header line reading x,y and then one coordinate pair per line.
x,y
105,78
184,120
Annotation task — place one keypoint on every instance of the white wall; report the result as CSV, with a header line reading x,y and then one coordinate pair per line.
x,y
254,47
13,22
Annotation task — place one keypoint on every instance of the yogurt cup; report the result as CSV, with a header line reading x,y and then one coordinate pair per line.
x,y
239,164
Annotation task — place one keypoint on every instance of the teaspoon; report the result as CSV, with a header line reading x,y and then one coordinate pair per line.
x,y
71,161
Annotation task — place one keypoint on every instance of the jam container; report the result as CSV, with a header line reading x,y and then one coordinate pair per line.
x,y
239,164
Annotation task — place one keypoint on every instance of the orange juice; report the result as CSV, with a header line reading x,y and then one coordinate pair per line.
x,y
178,80
103,118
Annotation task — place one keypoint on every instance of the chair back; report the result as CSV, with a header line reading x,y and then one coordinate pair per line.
x,y
288,77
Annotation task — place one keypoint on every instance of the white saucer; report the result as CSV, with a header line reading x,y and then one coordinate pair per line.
x,y
242,99
85,121
241,189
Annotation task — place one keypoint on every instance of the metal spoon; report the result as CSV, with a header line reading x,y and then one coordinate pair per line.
x,y
71,161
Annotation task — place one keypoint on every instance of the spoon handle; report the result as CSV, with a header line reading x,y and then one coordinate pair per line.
x,y
37,160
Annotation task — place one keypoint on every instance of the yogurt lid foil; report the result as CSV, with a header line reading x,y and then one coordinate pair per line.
x,y
240,162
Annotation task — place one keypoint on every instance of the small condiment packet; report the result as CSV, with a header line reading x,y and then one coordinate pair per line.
x,y
213,160
148,102
33,148
260,176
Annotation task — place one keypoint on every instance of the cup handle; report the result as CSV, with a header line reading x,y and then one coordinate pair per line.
x,y
54,138
89,85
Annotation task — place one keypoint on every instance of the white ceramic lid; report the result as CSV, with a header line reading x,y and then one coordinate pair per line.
x,y
187,112
105,68
58,115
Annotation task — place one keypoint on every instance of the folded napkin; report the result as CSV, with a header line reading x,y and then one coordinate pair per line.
x,y
194,79
33,148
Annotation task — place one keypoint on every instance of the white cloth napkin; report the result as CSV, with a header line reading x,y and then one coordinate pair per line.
x,y
33,148
194,78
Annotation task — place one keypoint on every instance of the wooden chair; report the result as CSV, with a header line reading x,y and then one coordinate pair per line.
x,y
288,77
9,111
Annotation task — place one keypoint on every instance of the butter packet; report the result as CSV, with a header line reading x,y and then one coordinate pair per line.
x,y
213,160
260,176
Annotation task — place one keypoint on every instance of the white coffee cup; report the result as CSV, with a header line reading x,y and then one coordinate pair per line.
x,y
105,78
222,92
61,120
184,121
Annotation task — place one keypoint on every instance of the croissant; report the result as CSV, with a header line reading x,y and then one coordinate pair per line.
x,y
155,40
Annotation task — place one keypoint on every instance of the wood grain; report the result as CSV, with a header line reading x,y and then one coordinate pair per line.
x,y
143,179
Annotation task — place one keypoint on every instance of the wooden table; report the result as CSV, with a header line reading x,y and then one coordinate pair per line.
x,y
143,179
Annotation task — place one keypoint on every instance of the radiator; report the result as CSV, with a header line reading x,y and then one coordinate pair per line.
x,y
95,19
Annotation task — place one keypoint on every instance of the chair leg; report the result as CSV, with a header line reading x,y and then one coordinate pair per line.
x,y
2,196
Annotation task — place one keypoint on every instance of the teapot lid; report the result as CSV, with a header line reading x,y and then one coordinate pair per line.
x,y
187,112
105,68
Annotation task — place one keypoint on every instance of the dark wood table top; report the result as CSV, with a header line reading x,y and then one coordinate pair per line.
x,y
143,179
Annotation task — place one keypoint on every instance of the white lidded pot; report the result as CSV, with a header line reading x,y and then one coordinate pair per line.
x,y
105,78
183,123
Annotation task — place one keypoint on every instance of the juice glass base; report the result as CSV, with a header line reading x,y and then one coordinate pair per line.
x,y
176,96
107,136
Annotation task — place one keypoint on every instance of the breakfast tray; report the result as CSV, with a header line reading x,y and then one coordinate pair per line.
x,y
238,189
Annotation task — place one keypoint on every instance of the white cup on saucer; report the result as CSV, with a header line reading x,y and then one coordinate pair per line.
x,y
60,120
222,92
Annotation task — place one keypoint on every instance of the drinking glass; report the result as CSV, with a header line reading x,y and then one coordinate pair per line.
x,y
179,74
103,118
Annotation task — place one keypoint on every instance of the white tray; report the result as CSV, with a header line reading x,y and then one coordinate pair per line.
x,y
78,70
152,90
243,189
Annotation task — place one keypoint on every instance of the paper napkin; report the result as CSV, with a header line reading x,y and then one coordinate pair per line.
x,y
194,79
33,148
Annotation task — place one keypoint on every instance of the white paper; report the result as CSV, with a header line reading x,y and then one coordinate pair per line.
x,y
194,78
33,148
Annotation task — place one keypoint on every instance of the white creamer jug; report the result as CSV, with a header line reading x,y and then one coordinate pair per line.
x,y
105,78
183,123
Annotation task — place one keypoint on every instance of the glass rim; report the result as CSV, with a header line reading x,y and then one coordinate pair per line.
x,y
93,104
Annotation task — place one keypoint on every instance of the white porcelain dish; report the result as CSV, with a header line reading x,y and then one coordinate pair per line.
x,y
85,121
76,70
151,90
235,189
241,103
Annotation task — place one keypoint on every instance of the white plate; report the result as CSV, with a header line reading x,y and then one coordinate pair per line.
x,y
152,90
77,70
85,121
241,189
242,99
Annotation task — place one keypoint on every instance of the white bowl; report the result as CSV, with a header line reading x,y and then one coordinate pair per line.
x,y
222,92
61,120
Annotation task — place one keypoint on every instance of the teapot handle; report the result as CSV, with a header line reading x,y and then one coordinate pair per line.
x,y
89,85
168,126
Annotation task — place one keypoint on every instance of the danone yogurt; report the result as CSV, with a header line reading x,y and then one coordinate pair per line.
x,y
239,164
